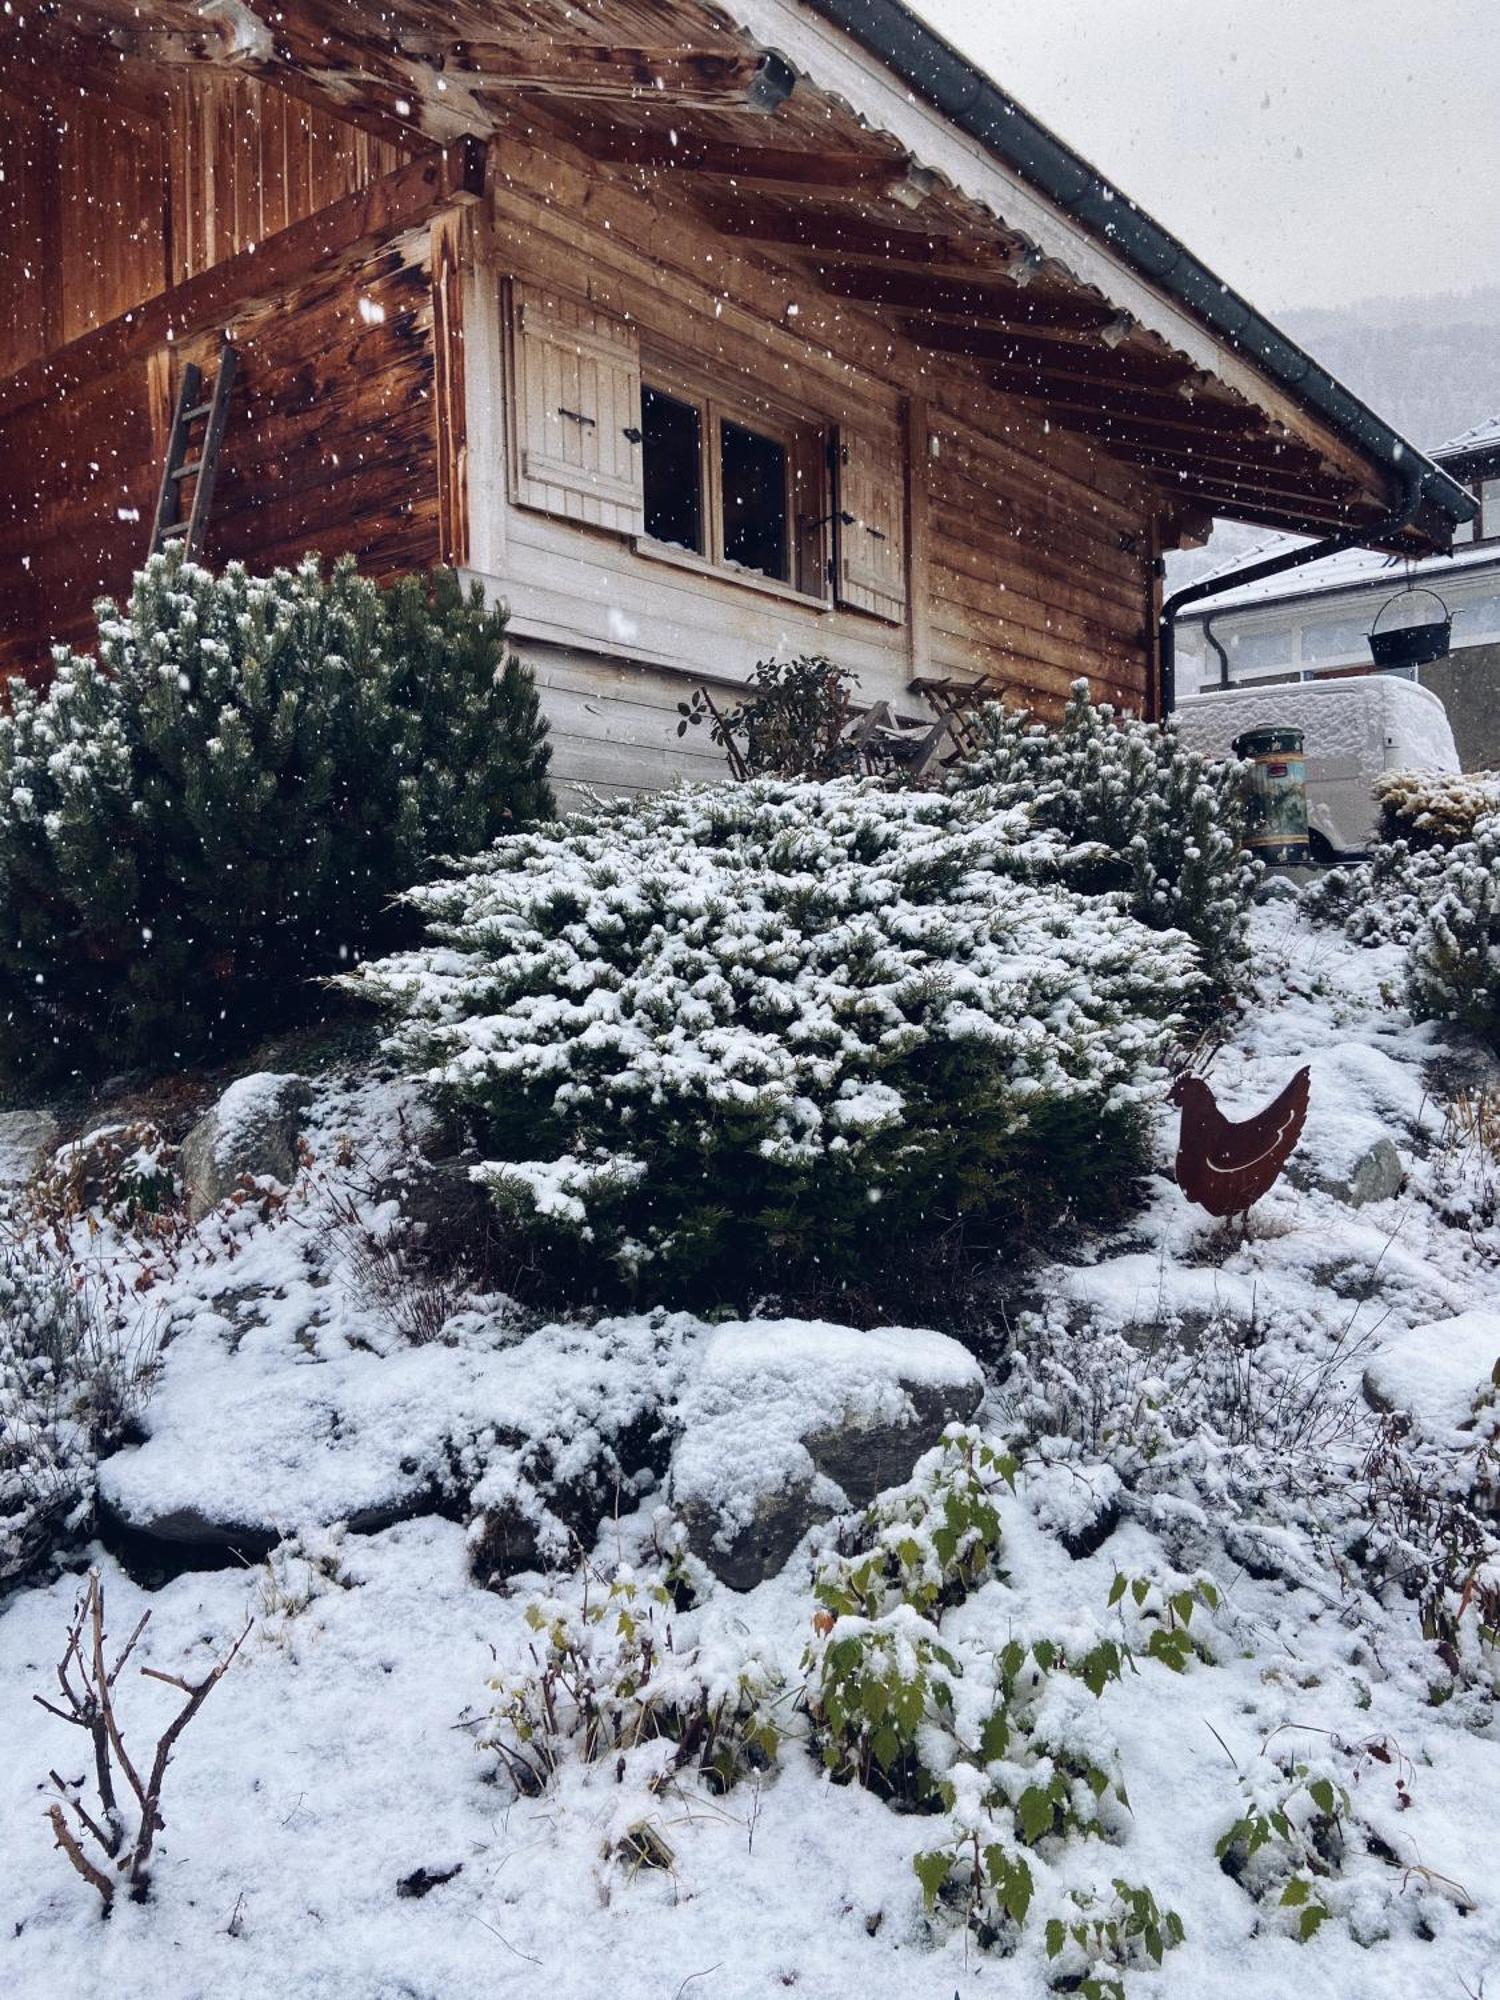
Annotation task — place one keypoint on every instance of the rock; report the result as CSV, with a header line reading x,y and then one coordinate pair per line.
x,y
1466,1065
788,1422
1435,1375
26,1138
450,1222
1377,1175
251,1133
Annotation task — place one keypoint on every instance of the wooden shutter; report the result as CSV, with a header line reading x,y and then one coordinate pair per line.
x,y
576,411
870,558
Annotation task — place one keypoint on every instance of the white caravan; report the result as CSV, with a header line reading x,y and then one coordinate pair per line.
x,y
1353,729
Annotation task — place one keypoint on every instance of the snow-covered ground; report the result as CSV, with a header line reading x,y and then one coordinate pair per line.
x,y
342,1753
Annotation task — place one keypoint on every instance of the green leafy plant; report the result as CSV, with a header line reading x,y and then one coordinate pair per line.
x,y
792,723
1090,1949
1290,1837
608,1675
1161,1617
217,805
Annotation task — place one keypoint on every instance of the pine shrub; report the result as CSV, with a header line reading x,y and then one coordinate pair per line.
x,y
218,805
1453,963
1435,809
1139,813
784,1037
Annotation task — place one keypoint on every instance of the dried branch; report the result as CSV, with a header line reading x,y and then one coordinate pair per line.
x,y
88,1692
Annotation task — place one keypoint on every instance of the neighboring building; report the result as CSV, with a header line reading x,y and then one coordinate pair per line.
x,y
699,332
1316,622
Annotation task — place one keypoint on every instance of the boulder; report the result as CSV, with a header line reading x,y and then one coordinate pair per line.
x,y
787,1422
250,1134
1437,1375
1376,1175
26,1138
449,1221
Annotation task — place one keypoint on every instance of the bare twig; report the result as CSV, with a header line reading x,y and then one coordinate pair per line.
x,y
88,1689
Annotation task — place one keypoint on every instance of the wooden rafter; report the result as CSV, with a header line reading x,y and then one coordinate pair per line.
x,y
782,167
850,238
1068,350
691,78
321,245
1001,304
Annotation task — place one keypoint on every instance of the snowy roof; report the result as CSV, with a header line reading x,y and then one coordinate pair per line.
x,y
1351,569
1479,437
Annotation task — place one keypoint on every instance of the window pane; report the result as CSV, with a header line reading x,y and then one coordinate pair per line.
x,y
672,460
1348,639
1489,500
755,501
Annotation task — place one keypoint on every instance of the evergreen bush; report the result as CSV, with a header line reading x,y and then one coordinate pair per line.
x,y
1453,964
1138,811
218,805
786,1037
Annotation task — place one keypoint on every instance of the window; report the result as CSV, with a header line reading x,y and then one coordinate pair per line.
x,y
713,477
1345,639
1489,505
741,489
672,455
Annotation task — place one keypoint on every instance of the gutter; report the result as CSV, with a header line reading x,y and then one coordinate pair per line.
x,y
935,71
1400,517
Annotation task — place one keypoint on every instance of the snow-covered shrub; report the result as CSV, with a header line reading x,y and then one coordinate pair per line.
x,y
780,1036
74,1368
125,1171
1380,901
1137,811
610,1675
1453,962
1434,808
218,805
1096,1941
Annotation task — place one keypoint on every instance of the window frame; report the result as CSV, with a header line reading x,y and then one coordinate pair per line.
x,y
806,440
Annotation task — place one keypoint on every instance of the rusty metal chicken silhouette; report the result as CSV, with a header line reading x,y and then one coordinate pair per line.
x,y
1227,1166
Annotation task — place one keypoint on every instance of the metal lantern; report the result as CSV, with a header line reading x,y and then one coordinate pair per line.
x,y
1276,796
1401,646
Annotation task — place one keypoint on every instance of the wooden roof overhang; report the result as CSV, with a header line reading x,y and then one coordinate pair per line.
x,y
798,148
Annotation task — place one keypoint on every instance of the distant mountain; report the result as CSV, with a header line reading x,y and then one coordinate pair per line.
x,y
1430,366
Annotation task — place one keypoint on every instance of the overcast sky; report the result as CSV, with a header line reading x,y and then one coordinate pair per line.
x,y
1312,152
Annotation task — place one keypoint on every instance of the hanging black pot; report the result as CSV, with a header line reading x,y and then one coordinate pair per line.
x,y
1411,645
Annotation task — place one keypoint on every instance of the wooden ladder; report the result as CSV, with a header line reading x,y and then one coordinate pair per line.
x,y
194,408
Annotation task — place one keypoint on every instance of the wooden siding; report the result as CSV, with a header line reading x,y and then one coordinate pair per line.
x,y
331,445
103,205
1028,550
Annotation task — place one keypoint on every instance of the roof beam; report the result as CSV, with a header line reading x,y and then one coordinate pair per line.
x,y
942,296
687,78
844,236
785,168
1071,355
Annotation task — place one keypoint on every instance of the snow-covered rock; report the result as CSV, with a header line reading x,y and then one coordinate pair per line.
x,y
786,1422
1435,1374
25,1137
1377,1175
251,1133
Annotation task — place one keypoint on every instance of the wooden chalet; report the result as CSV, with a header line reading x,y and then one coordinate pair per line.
x,y
700,332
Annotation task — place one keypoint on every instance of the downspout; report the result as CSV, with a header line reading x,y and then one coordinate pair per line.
x,y
1399,518
1210,639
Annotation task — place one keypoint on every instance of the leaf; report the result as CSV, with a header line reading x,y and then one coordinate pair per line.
x,y
1321,1792
1139,1590
1056,1935
1034,1814
932,1873
1312,1916
1118,1588
1296,1893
